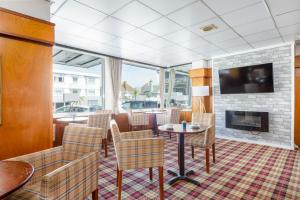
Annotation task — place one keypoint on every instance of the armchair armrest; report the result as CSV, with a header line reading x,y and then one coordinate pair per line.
x,y
75,180
209,137
140,153
43,162
136,134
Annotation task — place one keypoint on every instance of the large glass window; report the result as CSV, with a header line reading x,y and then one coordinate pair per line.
x,y
77,82
139,87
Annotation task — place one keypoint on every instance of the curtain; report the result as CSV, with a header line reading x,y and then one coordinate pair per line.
x,y
171,85
162,87
115,72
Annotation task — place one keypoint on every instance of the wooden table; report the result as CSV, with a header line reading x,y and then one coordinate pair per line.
x,y
153,120
61,123
178,129
13,175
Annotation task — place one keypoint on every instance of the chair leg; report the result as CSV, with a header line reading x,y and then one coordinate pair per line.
x,y
150,174
105,146
192,152
161,183
170,135
120,184
95,195
117,182
207,159
102,144
214,153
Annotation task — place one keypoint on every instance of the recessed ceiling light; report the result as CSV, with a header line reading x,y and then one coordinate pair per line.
x,y
208,28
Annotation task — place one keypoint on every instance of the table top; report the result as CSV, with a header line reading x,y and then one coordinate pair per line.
x,y
71,119
178,128
14,174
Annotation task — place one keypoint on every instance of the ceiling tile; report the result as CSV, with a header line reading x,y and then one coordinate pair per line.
x,y
192,44
95,35
291,37
55,5
222,7
287,30
255,27
166,6
158,43
246,15
139,36
266,43
232,43
288,18
106,6
162,27
114,26
66,25
210,51
216,21
221,36
79,13
136,14
181,36
236,49
280,7
262,36
192,14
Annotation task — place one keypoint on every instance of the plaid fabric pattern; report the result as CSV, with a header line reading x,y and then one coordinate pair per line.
x,y
242,171
110,112
78,141
172,116
135,153
66,172
138,118
136,134
100,121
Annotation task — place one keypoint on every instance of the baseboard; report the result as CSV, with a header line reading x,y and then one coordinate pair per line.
x,y
255,142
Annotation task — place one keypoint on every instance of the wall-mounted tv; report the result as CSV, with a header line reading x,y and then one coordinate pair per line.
x,y
249,79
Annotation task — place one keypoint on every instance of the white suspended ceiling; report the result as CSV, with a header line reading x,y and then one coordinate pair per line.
x,y
167,32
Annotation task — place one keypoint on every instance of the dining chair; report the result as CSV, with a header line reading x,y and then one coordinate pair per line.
x,y
138,120
98,121
70,171
135,150
171,116
205,141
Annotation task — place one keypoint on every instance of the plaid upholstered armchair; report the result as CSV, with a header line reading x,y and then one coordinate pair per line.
x,y
69,171
138,120
137,149
205,141
172,116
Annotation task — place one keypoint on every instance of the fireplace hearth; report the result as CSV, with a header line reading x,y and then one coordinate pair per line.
x,y
246,120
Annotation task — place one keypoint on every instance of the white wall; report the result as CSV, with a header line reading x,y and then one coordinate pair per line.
x,y
35,8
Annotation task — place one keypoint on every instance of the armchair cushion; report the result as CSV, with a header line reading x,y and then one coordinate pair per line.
x,y
140,153
136,134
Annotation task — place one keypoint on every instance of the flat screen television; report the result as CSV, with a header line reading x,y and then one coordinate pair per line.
x,y
249,79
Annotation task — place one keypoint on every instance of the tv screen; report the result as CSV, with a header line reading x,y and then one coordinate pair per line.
x,y
249,79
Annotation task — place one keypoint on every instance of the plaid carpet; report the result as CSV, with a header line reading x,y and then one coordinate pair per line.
x,y
242,171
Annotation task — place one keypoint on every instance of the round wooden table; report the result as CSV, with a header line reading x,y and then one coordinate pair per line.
x,y
13,175
178,129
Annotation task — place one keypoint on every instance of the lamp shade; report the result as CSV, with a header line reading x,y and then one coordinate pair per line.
x,y
200,91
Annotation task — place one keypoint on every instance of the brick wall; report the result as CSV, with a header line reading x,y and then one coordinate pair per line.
x,y
278,104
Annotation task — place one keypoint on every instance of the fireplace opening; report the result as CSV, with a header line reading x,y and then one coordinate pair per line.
x,y
245,120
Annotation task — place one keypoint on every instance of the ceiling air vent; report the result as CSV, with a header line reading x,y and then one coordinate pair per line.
x,y
208,28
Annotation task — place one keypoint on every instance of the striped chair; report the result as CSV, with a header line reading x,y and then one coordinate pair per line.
x,y
98,121
110,112
172,116
136,150
207,140
69,171
138,120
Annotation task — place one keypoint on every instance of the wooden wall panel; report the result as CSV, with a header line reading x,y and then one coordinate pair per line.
x,y
297,61
27,88
297,102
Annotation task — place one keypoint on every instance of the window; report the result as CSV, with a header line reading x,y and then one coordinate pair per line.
x,y
81,77
139,87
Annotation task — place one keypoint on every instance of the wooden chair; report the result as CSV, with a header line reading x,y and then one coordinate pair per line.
x,y
70,171
205,141
137,149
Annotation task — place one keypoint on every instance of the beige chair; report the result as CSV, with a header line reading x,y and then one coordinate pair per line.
x,y
138,120
69,171
172,116
137,149
98,121
110,112
206,140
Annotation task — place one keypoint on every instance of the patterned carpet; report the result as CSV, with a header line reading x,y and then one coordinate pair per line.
x,y
242,171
